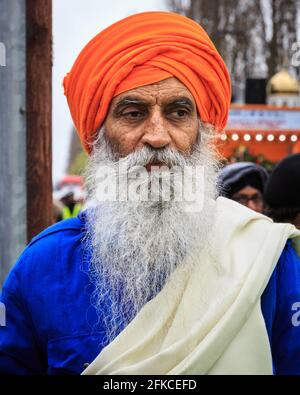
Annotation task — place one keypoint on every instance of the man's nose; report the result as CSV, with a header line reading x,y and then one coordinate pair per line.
x,y
156,131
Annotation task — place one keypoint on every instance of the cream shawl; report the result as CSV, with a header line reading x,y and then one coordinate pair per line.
x,y
207,319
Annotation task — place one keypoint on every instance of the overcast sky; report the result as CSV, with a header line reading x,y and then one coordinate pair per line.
x,y
75,22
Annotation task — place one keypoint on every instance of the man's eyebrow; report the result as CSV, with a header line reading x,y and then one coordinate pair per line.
x,y
130,100
180,101
138,101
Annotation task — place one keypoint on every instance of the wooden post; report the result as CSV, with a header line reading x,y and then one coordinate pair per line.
x,y
38,112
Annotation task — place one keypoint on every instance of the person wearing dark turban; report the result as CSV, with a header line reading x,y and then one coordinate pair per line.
x,y
158,274
244,182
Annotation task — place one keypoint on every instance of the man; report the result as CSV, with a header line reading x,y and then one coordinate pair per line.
x,y
244,182
151,279
282,192
71,208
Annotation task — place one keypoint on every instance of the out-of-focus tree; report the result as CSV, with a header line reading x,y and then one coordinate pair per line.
x,y
78,164
283,20
254,36
77,156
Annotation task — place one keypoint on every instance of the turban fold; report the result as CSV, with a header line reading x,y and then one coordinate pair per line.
x,y
140,50
236,176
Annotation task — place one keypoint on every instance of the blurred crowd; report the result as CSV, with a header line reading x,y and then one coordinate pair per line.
x,y
276,195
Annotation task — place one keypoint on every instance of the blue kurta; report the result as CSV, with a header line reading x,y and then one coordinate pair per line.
x,y
53,328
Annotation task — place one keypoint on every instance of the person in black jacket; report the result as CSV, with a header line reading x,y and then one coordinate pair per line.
x,y
282,194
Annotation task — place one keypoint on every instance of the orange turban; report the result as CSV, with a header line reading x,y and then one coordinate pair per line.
x,y
140,50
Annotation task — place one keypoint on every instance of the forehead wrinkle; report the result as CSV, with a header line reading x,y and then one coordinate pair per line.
x,y
168,89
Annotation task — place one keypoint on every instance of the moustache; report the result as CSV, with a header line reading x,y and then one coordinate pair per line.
x,y
149,156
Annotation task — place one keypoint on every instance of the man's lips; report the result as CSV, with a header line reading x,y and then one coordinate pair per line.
x,y
154,166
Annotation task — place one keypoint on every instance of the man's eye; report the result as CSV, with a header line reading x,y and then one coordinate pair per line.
x,y
133,114
181,113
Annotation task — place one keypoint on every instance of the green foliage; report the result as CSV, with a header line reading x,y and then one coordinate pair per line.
x,y
242,154
78,164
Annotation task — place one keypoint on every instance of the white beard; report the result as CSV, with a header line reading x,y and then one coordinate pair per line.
x,y
137,245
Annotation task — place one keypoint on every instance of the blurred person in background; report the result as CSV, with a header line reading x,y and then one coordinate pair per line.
x,y
282,193
71,207
57,209
244,182
69,203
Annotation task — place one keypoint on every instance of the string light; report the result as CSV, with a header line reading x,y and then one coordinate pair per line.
x,y
235,137
294,138
223,137
258,137
282,137
270,137
247,137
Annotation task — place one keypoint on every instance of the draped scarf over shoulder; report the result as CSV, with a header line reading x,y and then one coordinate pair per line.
x,y
208,320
